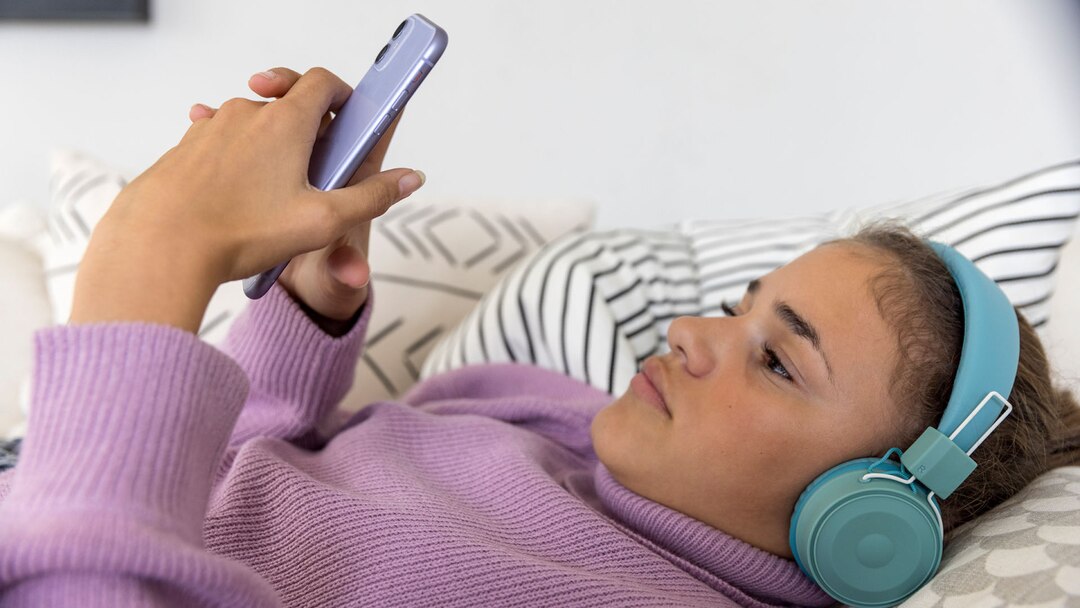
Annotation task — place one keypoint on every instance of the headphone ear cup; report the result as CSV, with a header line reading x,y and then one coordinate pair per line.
x,y
867,542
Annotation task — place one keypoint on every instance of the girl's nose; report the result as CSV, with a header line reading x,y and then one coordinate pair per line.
x,y
695,340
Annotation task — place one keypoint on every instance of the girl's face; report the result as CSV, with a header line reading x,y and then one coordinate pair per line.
x,y
762,402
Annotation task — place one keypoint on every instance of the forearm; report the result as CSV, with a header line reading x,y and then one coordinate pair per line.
x,y
130,277
127,276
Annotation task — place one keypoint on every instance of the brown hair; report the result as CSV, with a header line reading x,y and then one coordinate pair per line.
x,y
916,294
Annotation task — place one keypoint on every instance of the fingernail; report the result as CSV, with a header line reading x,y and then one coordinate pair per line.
x,y
411,183
268,75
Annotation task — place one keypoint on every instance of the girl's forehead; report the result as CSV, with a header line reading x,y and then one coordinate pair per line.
x,y
829,287
828,268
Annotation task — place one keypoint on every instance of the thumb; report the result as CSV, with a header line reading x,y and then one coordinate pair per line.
x,y
373,196
348,268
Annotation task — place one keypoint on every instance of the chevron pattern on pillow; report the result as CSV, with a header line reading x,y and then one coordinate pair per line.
x,y
432,260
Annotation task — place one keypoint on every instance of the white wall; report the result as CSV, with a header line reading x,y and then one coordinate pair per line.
x,y
656,111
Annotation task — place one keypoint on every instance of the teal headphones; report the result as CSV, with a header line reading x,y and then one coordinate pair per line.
x,y
869,531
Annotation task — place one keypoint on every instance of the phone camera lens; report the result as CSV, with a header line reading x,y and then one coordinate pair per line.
x,y
381,53
397,32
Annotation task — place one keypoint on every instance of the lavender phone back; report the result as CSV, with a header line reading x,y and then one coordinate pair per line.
x,y
398,70
375,102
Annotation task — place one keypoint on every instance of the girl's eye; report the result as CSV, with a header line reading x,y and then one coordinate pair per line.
x,y
773,363
768,355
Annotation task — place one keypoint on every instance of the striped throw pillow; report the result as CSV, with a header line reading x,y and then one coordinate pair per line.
x,y
593,306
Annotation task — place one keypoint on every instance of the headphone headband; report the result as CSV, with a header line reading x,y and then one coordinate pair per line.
x,y
991,351
941,458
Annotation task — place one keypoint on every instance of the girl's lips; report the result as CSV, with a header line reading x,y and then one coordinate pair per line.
x,y
641,385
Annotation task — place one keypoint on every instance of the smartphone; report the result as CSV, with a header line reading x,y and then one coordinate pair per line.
x,y
390,82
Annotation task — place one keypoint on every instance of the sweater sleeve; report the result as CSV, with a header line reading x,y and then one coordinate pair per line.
x,y
298,373
106,506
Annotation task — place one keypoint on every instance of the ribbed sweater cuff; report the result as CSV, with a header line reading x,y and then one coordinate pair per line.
x,y
127,418
298,372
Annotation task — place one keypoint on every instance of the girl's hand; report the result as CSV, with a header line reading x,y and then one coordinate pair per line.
x,y
330,283
232,199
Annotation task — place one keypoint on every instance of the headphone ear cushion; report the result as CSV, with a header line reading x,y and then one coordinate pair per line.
x,y
866,543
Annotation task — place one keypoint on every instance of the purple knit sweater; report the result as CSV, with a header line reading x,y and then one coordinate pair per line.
x,y
160,470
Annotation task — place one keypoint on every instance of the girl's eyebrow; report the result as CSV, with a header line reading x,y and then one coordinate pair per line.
x,y
802,328
797,324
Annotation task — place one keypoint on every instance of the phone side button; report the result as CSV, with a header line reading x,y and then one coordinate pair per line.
x,y
420,70
385,122
400,101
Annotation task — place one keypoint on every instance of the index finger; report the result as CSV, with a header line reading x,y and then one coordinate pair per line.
x,y
275,87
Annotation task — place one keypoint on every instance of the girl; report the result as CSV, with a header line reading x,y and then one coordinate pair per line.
x,y
158,470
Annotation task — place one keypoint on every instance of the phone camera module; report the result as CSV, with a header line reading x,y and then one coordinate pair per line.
x,y
379,57
397,32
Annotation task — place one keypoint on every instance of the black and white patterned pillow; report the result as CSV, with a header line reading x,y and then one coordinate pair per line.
x,y
432,261
596,305
592,306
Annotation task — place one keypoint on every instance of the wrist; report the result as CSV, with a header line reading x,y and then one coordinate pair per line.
x,y
331,326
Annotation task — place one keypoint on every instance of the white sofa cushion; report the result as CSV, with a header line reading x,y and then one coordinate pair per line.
x,y
25,305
